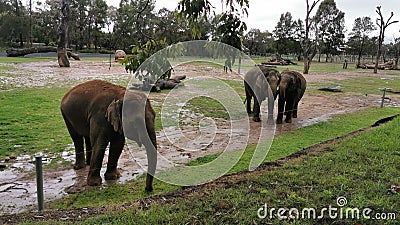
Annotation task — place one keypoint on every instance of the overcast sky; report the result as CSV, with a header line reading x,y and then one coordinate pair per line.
x,y
265,14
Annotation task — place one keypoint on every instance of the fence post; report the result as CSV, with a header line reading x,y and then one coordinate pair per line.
x,y
383,97
39,182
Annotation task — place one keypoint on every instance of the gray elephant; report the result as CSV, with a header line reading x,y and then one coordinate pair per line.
x,y
291,90
93,111
256,82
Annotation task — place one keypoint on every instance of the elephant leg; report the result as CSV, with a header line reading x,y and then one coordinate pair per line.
x,y
98,149
256,111
248,98
281,106
151,151
79,149
151,169
295,109
116,147
79,152
289,110
88,150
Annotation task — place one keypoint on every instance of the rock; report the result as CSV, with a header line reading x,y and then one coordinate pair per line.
x,y
120,54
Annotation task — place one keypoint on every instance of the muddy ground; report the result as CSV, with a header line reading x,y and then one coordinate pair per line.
x,y
180,145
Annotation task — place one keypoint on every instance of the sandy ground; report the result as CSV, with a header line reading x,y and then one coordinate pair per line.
x,y
177,145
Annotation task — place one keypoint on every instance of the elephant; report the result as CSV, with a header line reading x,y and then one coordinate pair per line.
x,y
291,90
94,112
256,86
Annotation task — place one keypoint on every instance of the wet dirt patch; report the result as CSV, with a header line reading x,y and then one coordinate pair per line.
x,y
17,181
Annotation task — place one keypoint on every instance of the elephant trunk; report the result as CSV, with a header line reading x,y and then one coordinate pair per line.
x,y
282,92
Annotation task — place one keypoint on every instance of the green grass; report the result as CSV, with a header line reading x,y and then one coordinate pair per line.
x,y
31,121
362,85
25,59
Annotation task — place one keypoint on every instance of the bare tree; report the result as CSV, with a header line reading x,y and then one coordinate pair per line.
x,y
62,35
307,45
382,27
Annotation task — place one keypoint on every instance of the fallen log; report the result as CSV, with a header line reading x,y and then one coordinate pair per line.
x,y
393,91
367,66
161,84
279,62
331,89
41,49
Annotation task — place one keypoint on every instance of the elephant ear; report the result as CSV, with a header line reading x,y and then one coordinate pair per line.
x,y
114,116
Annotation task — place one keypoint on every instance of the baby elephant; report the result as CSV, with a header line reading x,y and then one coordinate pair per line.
x,y
291,90
93,112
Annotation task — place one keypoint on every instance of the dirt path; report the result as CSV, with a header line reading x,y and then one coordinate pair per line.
x,y
17,186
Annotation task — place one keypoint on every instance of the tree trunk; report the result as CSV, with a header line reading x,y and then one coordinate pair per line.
x,y
62,35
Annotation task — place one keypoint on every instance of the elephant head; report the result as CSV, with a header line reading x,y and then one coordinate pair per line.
x,y
134,118
138,123
273,78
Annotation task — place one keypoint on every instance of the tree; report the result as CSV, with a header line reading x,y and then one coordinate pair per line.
x,y
382,27
134,24
230,27
12,12
97,20
63,35
285,35
46,22
258,42
358,37
330,22
309,48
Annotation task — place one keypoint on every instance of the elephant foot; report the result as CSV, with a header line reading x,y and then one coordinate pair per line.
x,y
113,175
94,181
149,189
149,183
256,119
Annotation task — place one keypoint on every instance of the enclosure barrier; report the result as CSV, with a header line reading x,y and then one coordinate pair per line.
x,y
39,182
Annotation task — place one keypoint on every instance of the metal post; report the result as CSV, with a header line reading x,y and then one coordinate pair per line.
x,y
383,97
39,182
